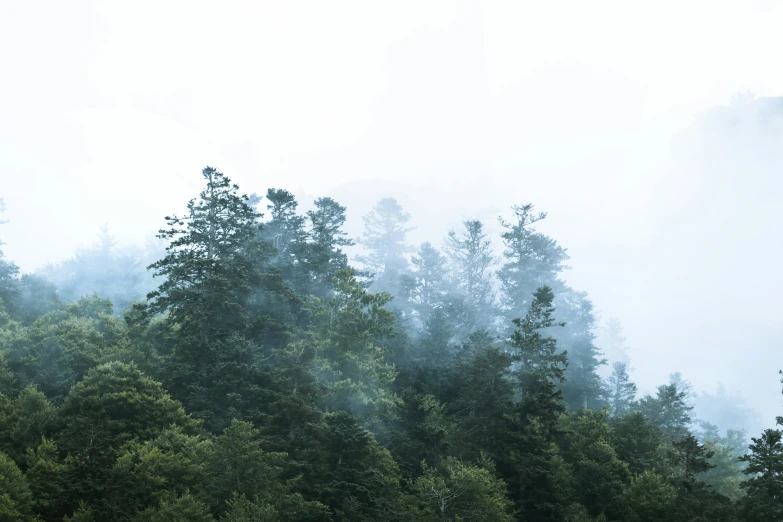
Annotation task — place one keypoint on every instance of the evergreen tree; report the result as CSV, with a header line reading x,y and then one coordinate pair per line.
x,y
325,256
532,260
15,498
471,259
385,229
209,269
100,269
227,306
8,272
621,390
613,342
599,476
668,410
453,491
636,441
692,457
540,369
286,233
582,388
350,472
426,286
764,499
349,361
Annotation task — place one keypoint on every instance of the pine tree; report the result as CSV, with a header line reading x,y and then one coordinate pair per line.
x,y
425,286
286,233
622,391
540,369
385,230
208,269
9,290
764,499
325,256
227,306
532,260
471,257
668,410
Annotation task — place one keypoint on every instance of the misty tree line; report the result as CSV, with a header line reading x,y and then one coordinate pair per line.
x,y
268,379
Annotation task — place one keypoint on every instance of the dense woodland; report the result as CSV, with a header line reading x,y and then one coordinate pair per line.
x,y
268,377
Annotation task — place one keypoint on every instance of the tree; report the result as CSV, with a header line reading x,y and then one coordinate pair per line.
x,y
727,472
612,341
540,368
649,496
481,400
350,472
426,286
100,269
599,476
15,498
186,508
692,457
209,268
8,272
622,391
238,466
325,256
385,228
582,388
24,420
61,346
286,233
115,403
453,490
668,410
349,361
764,499
471,257
532,260
227,307
636,441
36,297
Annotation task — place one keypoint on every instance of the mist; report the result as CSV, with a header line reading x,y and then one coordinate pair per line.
x,y
655,158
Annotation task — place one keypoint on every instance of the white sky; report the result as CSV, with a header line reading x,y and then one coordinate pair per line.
x,y
108,111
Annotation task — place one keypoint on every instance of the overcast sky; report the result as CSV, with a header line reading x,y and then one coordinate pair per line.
x,y
108,111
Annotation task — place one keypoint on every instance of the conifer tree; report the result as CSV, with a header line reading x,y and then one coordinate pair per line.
x,y
385,230
471,257
621,390
540,369
325,255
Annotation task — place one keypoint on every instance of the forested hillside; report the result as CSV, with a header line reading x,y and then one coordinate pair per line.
x,y
267,376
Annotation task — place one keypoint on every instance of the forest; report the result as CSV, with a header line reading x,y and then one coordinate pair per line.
x,y
245,367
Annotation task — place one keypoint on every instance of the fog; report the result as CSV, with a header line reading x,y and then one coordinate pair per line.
x,y
621,121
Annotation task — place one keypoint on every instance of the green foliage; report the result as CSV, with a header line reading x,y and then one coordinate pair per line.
x,y
350,472
764,499
25,420
455,491
599,476
15,497
348,360
118,401
726,475
385,229
267,380
668,410
183,509
622,391
649,497
636,441
471,259
61,346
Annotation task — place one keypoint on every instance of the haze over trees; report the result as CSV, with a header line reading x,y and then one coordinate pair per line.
x,y
265,375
